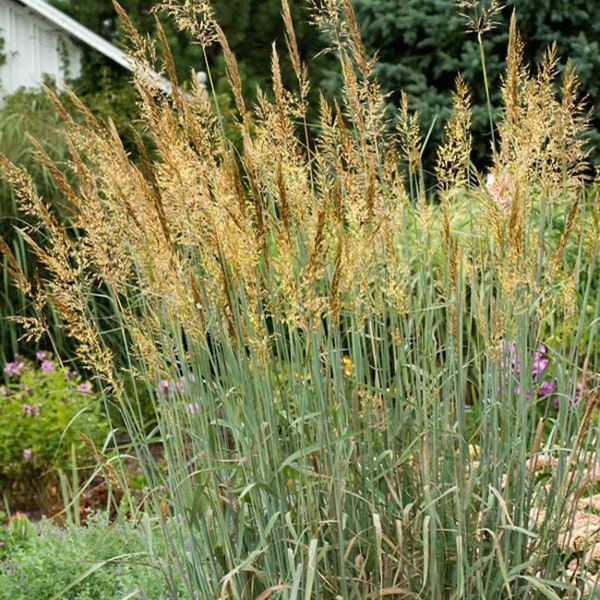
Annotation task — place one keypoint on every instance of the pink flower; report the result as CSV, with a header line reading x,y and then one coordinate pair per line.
x,y
579,389
84,388
3,391
27,454
13,369
194,407
32,411
41,355
501,191
167,388
70,375
47,366
164,388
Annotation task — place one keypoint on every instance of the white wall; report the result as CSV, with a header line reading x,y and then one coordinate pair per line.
x,y
32,47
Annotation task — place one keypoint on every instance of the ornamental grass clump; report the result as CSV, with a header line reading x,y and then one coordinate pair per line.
x,y
322,339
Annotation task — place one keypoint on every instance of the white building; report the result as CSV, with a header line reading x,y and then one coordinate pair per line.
x,y
41,41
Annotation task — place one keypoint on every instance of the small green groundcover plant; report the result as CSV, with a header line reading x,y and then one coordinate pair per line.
x,y
43,407
103,560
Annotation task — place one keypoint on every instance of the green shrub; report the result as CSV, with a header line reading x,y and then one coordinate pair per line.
x,y
15,532
43,407
101,561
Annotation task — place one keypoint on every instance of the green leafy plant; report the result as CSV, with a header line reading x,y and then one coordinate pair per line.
x,y
15,532
101,561
43,406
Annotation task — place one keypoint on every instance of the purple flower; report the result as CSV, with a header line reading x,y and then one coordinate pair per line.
x,y
510,363
13,369
27,454
540,362
47,366
84,388
26,389
41,355
547,388
194,407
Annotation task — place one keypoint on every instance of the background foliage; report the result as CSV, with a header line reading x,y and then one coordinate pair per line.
x,y
423,44
250,25
23,115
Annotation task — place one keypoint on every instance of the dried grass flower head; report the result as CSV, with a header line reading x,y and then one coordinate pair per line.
x,y
480,15
297,227
196,17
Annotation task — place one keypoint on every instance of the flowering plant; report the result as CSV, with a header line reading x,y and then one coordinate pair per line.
x,y
543,382
42,407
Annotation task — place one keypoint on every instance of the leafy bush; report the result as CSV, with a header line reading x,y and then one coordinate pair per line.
x,y
42,409
15,532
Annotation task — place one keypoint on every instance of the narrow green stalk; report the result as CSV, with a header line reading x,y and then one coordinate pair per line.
x,y
487,92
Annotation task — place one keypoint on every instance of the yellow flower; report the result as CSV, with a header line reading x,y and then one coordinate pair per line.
x,y
348,365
